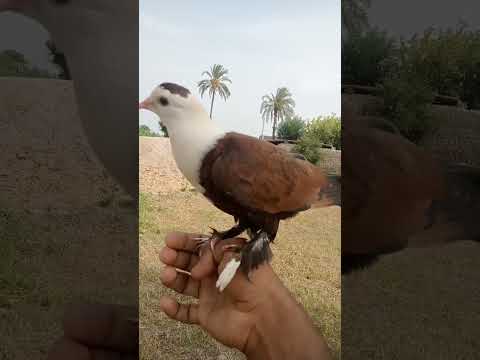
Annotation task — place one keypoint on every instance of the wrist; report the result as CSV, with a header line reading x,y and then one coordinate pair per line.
x,y
283,330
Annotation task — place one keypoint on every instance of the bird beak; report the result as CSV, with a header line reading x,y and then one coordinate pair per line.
x,y
145,104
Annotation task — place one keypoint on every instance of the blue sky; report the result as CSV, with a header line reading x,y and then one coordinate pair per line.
x,y
265,45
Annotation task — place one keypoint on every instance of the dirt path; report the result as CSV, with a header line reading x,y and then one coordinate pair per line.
x,y
158,171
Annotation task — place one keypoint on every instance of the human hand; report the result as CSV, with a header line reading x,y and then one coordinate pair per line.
x,y
98,331
247,315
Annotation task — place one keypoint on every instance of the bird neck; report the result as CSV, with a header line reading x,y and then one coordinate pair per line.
x,y
191,140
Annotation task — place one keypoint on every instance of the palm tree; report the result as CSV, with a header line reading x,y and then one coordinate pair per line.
x,y
216,83
276,107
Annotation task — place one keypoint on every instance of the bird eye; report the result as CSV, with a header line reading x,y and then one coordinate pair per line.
x,y
163,100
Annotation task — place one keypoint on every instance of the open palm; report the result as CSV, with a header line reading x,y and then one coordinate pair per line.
x,y
228,316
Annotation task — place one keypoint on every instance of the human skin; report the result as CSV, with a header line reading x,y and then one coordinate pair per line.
x,y
98,331
259,317
248,315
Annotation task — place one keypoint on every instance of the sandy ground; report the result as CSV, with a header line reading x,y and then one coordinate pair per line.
x,y
66,233
158,171
415,304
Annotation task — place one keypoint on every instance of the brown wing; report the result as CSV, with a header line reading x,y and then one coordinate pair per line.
x,y
388,184
261,176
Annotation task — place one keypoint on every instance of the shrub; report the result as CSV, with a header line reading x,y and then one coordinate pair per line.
x,y
13,63
291,128
363,56
163,128
321,130
444,62
407,94
144,130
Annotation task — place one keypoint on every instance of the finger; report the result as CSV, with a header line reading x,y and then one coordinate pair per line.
x,y
179,259
205,266
102,325
182,241
181,283
68,349
187,313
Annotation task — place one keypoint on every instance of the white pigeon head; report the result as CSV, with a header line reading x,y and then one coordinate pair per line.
x,y
173,103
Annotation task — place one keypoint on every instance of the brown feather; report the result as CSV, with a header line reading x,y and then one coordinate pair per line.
x,y
388,186
260,176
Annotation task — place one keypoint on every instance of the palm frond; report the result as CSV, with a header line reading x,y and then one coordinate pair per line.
x,y
215,82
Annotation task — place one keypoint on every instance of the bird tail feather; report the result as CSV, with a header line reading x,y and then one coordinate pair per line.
x,y
461,205
331,194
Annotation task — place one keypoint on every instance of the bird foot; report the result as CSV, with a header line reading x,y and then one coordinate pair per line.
x,y
236,248
203,241
185,272
216,234
200,242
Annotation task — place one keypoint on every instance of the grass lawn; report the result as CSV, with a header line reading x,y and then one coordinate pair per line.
x,y
49,260
306,257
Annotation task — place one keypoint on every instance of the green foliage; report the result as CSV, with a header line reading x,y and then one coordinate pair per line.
x,y
277,107
321,130
308,146
144,130
291,128
444,62
449,60
407,94
354,16
363,55
13,63
163,128
216,83
413,71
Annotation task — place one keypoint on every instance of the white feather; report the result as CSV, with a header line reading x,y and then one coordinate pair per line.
x,y
191,141
227,274
192,133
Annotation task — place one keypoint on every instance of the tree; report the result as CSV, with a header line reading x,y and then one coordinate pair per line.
x,y
364,57
13,63
144,130
321,130
291,128
216,83
58,58
277,107
163,128
354,16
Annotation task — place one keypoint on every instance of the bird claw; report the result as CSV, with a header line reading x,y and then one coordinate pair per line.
x,y
215,234
235,247
201,242
185,272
